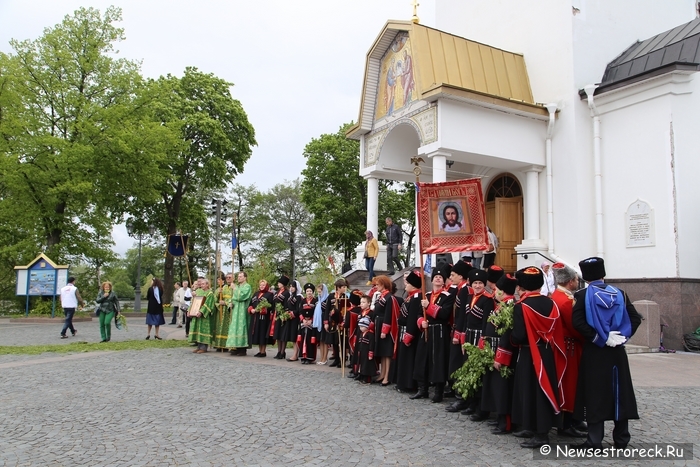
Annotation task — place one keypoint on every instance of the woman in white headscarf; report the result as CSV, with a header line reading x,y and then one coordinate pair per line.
x,y
549,285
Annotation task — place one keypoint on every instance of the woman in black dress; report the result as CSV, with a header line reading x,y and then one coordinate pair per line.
x,y
154,313
291,329
385,326
307,332
281,297
260,324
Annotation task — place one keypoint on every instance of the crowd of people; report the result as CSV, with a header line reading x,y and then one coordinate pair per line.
x,y
565,347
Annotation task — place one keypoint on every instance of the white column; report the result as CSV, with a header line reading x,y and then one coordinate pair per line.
x,y
373,205
532,203
439,166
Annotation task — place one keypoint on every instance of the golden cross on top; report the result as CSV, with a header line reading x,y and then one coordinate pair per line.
x,y
415,4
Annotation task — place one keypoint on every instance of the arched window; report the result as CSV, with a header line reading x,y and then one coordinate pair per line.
x,y
505,186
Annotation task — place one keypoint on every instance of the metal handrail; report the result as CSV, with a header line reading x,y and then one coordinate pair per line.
x,y
525,253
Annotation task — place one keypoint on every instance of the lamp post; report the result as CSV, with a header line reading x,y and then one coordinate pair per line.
x,y
135,232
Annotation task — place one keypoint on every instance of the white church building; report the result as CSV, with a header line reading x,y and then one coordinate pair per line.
x,y
581,119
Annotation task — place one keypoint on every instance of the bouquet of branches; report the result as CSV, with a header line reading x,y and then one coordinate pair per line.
x,y
468,378
282,314
120,322
503,320
262,304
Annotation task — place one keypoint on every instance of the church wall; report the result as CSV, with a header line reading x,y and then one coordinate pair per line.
x,y
636,165
490,132
687,158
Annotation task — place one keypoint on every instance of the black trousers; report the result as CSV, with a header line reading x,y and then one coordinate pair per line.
x,y
489,259
621,433
175,308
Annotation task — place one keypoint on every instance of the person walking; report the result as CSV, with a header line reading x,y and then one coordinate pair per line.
x,y
394,243
371,253
175,303
108,307
70,298
154,313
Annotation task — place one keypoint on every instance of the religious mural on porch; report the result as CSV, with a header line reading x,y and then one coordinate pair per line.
x,y
397,87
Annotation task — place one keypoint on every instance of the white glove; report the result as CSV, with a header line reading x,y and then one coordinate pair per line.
x,y
615,339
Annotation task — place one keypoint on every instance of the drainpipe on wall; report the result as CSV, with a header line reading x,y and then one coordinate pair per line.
x,y
597,175
552,109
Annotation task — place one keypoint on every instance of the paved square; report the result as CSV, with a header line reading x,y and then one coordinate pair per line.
x,y
171,407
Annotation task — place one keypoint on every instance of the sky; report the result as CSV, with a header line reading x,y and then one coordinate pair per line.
x,y
296,65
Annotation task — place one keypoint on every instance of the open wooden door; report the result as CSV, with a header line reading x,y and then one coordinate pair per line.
x,y
508,227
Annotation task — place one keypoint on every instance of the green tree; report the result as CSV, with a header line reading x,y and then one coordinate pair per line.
x,y
333,191
212,141
74,132
336,195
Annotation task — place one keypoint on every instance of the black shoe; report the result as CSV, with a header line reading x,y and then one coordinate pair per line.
x,y
421,394
492,423
75,332
458,405
404,391
581,426
290,360
351,374
450,393
257,354
479,417
585,445
391,273
523,434
571,432
535,442
64,336
468,411
498,431
148,337
437,398
103,340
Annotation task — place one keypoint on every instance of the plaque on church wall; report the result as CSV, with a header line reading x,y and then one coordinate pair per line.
x,y
639,220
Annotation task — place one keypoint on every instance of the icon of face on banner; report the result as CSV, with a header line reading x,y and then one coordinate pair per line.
x,y
451,218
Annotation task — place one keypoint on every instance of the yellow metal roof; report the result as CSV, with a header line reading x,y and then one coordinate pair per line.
x,y
448,64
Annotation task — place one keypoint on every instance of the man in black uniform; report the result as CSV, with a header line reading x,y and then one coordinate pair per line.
x,y
432,355
606,318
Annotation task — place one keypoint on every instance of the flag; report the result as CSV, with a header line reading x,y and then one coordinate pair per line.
x,y
427,267
451,217
234,240
177,245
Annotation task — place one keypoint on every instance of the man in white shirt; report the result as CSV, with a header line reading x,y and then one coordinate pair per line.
x,y
175,303
70,298
184,297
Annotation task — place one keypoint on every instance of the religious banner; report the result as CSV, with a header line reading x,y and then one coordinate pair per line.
x,y
452,217
177,245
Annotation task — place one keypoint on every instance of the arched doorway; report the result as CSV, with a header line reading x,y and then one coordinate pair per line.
x,y
504,215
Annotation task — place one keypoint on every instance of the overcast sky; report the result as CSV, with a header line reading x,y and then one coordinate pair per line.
x,y
297,65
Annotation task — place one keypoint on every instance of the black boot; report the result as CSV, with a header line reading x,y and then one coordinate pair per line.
x,y
537,441
457,406
421,394
439,392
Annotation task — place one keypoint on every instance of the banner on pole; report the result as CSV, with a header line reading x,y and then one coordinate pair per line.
x,y
177,245
452,217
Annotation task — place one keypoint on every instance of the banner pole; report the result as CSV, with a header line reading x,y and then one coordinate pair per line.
x,y
417,171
